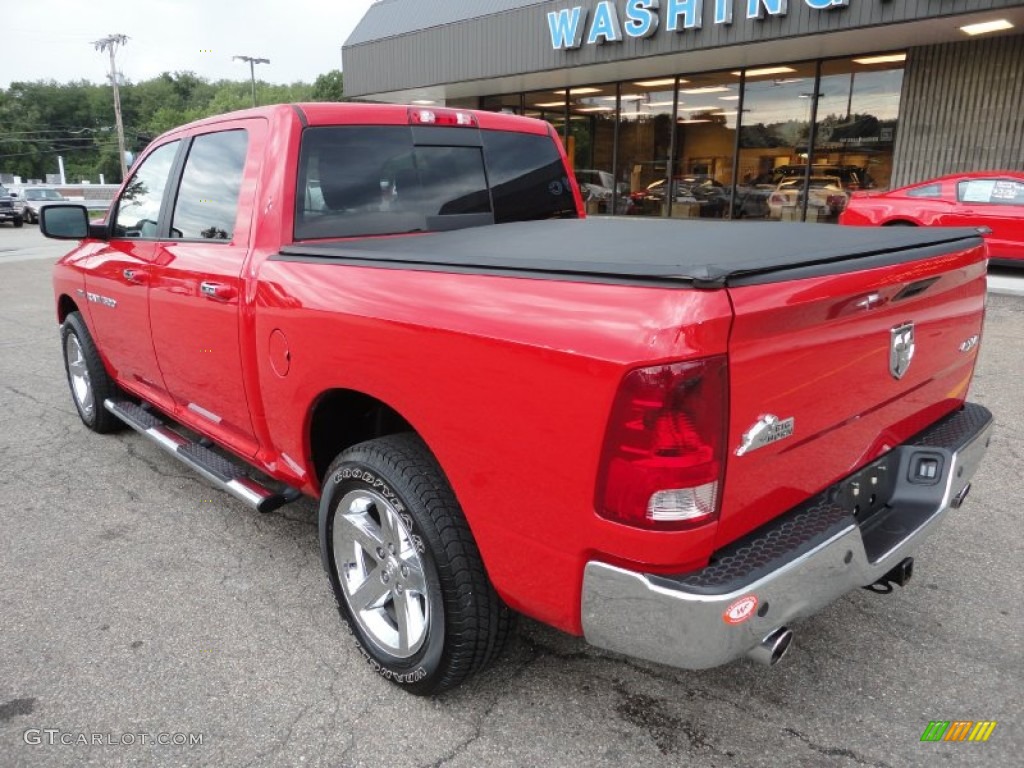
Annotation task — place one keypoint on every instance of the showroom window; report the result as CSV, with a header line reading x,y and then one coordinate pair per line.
x,y
591,147
778,104
858,114
549,106
645,143
705,145
785,142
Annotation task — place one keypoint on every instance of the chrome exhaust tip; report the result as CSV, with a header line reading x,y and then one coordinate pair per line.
x,y
770,651
959,499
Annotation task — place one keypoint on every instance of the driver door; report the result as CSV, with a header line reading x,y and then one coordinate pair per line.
x,y
195,296
117,277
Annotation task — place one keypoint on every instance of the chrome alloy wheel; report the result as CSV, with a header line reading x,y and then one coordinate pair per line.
x,y
78,372
381,573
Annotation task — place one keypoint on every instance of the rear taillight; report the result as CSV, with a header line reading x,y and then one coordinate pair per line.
x,y
664,451
453,117
778,200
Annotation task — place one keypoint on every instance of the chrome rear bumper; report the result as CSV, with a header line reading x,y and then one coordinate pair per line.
x,y
790,568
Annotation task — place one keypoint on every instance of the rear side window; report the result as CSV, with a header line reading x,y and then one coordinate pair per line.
x,y
376,180
994,191
528,179
928,190
207,203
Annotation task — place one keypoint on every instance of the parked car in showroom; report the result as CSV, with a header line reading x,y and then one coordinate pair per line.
x,y
752,197
598,186
36,198
992,199
852,178
825,193
10,207
710,195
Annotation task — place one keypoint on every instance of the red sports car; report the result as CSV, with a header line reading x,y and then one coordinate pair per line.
x,y
993,199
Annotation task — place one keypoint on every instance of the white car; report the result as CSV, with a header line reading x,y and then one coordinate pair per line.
x,y
824,192
599,185
595,185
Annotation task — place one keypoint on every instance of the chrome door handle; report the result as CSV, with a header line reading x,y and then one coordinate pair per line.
x,y
869,301
218,291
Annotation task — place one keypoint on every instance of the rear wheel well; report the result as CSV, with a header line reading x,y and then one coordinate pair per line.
x,y
342,418
899,223
65,306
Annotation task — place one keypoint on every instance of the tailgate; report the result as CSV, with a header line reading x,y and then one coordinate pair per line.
x,y
859,362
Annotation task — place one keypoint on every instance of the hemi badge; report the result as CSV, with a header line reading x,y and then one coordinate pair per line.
x,y
767,430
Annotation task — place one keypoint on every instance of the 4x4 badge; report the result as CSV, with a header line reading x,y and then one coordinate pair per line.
x,y
766,430
901,349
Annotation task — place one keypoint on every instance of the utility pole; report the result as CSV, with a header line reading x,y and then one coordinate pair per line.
x,y
110,43
253,61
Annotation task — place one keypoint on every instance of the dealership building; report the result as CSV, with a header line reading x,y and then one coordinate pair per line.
x,y
723,94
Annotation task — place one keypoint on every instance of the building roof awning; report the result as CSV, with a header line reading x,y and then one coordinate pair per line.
x,y
391,18
404,50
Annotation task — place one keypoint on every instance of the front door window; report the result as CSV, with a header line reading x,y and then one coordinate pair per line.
x,y
138,210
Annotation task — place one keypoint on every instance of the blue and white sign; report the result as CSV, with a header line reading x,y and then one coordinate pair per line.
x,y
573,27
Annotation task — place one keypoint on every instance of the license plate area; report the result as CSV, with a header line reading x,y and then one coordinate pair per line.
x,y
869,491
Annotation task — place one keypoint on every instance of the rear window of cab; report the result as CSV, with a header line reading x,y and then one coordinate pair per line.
x,y
383,180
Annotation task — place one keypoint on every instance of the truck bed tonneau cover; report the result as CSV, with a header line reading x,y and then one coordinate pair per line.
x,y
704,254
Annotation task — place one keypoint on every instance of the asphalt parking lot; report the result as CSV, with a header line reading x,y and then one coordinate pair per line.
x,y
136,600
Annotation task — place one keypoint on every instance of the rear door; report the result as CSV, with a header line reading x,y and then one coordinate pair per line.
x,y
118,275
846,366
196,293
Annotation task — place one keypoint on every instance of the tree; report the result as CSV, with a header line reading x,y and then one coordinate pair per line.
x,y
43,120
329,86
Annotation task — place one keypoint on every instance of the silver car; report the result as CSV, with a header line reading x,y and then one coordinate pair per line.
x,y
37,198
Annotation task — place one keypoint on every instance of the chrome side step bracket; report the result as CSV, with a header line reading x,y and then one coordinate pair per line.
x,y
221,472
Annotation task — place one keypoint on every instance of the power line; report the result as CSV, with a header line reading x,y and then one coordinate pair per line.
x,y
60,150
71,131
55,130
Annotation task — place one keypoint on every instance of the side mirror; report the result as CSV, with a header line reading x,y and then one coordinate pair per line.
x,y
64,222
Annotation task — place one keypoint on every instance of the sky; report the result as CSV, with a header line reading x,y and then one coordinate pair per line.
x,y
52,39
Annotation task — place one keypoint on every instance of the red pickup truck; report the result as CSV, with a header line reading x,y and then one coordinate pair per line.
x,y
673,438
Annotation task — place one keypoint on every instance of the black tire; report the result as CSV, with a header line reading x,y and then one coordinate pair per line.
x,y
101,385
18,222
466,622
